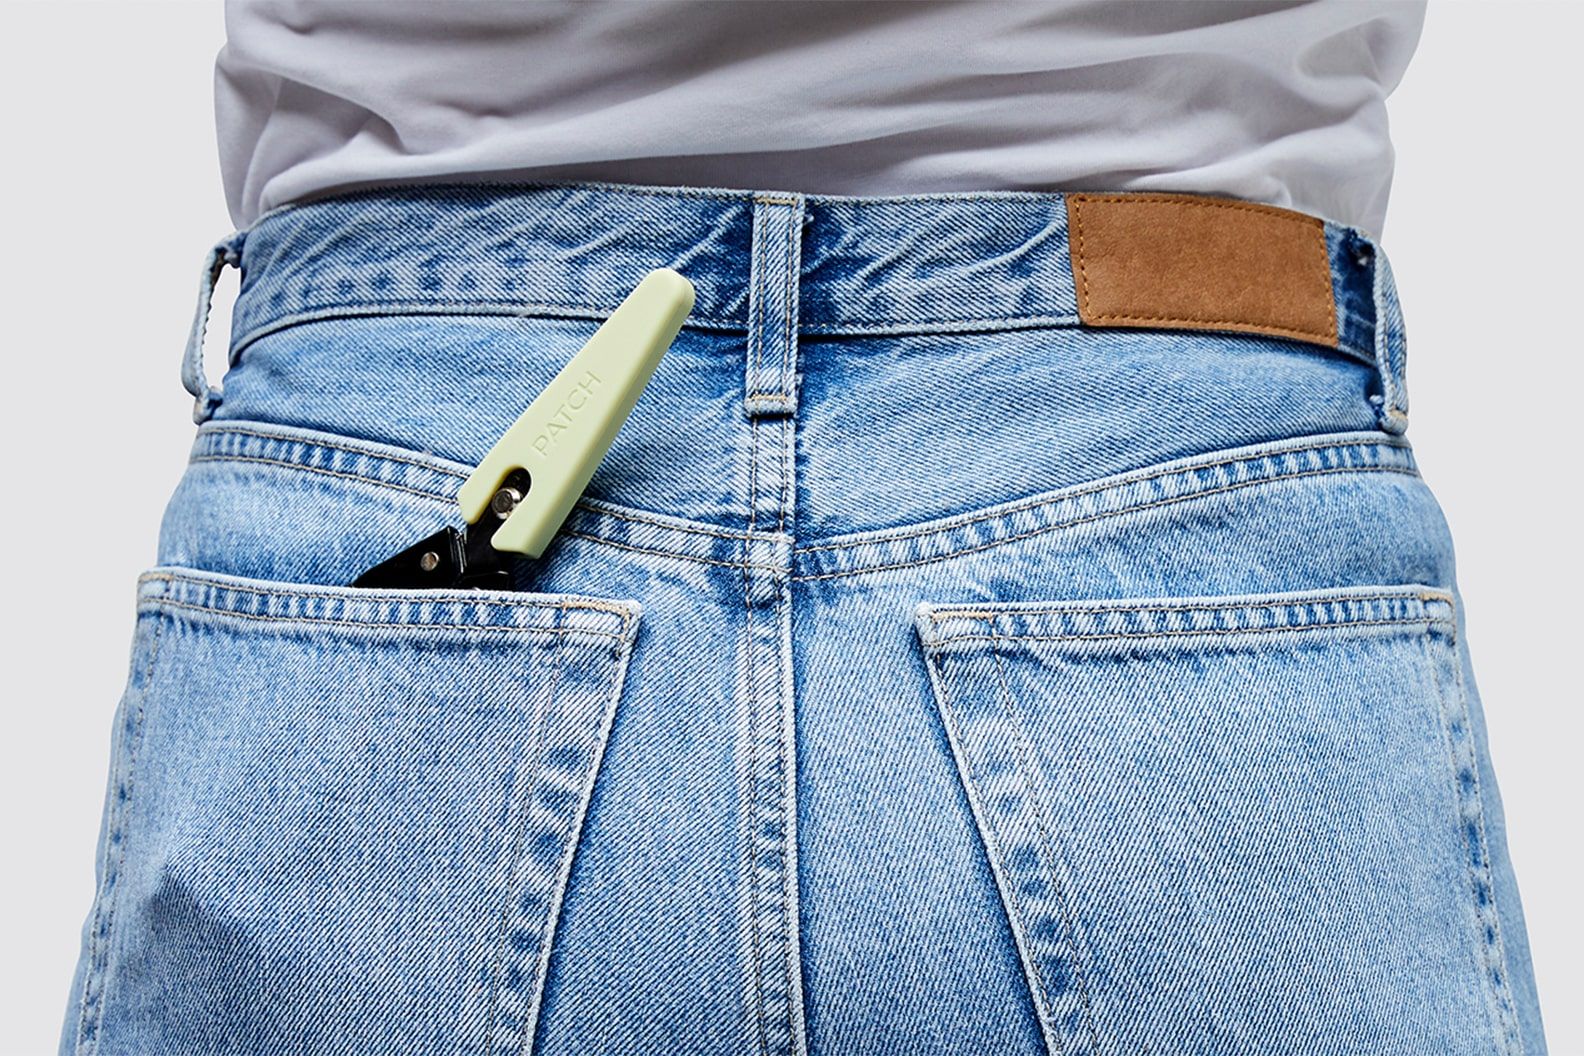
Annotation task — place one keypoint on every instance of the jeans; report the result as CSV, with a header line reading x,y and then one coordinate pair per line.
x,y
922,671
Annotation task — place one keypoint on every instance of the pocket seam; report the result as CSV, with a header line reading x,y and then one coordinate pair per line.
x,y
1403,605
107,902
564,719
1451,707
1470,808
1017,916
393,606
937,613
1199,632
1050,848
521,804
156,604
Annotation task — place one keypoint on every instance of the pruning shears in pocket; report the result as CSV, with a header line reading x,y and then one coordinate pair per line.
x,y
522,491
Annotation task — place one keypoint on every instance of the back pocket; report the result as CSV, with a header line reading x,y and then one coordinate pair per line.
x,y
342,820
1231,824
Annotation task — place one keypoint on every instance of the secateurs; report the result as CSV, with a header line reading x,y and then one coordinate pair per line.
x,y
521,492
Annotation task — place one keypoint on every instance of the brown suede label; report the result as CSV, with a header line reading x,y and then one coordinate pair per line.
x,y
1188,261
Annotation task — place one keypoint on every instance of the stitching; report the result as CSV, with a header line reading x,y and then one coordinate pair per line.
x,y
993,841
600,511
788,336
968,614
785,734
640,518
169,603
482,307
1488,917
750,808
107,903
865,569
356,478
522,805
887,540
787,470
331,443
610,699
545,725
498,308
782,773
759,728
1324,279
1053,498
1291,216
1048,842
1320,336
1382,350
794,259
1075,224
1075,209
669,553
429,596
432,190
1188,634
756,326
859,328
513,310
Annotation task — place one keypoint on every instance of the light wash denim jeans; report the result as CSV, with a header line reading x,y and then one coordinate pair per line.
x,y
922,672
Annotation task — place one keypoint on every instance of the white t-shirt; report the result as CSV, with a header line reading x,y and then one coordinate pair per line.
x,y
1273,102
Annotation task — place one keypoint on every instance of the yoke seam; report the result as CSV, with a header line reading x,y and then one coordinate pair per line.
x,y
635,516
1127,480
1044,529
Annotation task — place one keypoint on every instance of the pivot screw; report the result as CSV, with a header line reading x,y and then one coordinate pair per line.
x,y
505,501
510,493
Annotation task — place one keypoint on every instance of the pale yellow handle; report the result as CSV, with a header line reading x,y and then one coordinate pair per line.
x,y
564,434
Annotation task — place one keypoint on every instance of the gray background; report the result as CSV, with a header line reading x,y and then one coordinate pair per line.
x,y
110,195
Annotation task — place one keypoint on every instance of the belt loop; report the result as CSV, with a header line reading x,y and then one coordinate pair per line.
x,y
770,385
206,397
1391,347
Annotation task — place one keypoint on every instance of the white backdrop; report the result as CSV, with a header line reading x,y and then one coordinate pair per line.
x,y
110,194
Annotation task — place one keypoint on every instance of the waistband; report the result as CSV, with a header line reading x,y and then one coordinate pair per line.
x,y
863,266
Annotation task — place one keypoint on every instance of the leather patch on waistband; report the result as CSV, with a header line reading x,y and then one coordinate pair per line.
x,y
1193,262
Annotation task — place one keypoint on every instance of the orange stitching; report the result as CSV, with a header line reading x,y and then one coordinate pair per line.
x,y
1205,202
1326,335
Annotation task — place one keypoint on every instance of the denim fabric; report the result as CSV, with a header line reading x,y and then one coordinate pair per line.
x,y
921,672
